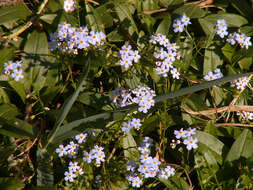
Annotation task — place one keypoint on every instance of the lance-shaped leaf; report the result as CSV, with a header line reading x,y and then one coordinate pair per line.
x,y
242,147
95,122
198,87
67,106
98,121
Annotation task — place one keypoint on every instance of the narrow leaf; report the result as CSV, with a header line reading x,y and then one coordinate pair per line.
x,y
78,126
67,106
238,146
199,87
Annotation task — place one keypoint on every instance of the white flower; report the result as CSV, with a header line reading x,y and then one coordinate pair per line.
x,y
170,171
185,20
222,32
17,74
180,134
191,143
73,166
127,127
178,26
136,182
81,138
87,157
61,150
136,123
221,24
69,6
175,73
69,176
190,132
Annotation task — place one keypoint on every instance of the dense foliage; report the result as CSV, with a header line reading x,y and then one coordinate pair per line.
x,y
126,94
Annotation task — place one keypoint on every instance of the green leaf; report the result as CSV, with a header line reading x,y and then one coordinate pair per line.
x,y
8,111
36,49
163,27
247,30
187,53
210,141
11,183
6,55
95,122
198,87
95,100
44,169
104,12
245,63
170,2
4,98
48,18
114,36
12,13
125,12
195,102
243,7
208,27
240,147
133,82
175,183
37,43
67,106
191,11
148,5
19,88
130,147
16,128
94,18
65,17
51,87
74,127
43,188
232,20
228,51
211,61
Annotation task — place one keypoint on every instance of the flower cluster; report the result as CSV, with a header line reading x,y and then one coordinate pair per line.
x,y
14,70
72,149
73,171
213,75
70,39
222,28
134,123
96,153
69,5
240,83
233,38
186,135
149,166
166,55
142,95
246,115
179,24
128,56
